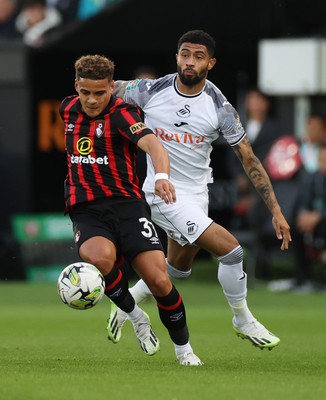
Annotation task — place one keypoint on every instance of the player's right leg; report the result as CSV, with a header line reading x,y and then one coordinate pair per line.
x,y
116,320
96,245
116,288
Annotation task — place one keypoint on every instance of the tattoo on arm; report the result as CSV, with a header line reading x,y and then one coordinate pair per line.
x,y
256,173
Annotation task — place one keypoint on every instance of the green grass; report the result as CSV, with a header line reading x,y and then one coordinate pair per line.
x,y
49,351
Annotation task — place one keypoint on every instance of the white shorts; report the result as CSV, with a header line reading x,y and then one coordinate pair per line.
x,y
183,221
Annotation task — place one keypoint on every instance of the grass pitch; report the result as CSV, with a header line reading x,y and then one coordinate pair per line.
x,y
50,352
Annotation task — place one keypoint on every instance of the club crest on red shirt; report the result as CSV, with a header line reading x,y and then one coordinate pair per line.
x,y
99,128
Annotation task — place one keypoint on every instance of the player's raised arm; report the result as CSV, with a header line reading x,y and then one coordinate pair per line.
x,y
260,179
161,163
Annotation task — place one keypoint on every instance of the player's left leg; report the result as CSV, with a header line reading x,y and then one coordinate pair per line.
x,y
101,252
150,266
173,219
169,302
218,241
178,263
180,259
141,247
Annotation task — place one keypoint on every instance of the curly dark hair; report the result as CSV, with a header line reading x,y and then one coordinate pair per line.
x,y
198,36
94,67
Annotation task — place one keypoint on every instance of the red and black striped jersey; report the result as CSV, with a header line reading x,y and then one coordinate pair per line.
x,y
101,151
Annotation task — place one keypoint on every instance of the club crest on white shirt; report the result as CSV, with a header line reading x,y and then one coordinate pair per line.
x,y
184,112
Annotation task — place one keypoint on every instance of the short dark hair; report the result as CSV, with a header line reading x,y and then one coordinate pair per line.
x,y
198,36
94,67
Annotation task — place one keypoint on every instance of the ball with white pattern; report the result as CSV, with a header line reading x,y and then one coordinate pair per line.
x,y
81,286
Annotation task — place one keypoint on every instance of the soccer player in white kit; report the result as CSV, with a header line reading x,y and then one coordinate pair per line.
x,y
187,112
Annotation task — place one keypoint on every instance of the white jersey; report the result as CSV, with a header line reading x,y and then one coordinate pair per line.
x,y
186,125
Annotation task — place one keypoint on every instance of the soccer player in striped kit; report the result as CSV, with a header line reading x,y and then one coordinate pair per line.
x,y
110,216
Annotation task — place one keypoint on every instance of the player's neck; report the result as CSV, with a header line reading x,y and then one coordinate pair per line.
x,y
190,90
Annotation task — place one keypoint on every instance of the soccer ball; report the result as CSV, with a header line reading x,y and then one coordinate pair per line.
x,y
81,286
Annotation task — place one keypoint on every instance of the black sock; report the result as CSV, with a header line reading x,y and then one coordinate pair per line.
x,y
173,316
116,288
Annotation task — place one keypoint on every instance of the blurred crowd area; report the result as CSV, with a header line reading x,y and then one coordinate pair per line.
x,y
297,169
34,21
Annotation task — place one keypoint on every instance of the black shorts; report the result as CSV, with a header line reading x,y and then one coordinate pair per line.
x,y
126,222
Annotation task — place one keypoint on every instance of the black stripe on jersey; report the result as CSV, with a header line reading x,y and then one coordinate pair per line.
x,y
106,165
75,177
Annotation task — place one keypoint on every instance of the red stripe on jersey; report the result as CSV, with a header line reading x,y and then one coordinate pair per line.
x,y
66,120
108,167
80,173
131,166
79,170
113,163
173,307
96,169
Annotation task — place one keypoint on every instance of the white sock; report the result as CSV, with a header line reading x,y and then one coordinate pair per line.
x,y
180,350
140,291
234,283
135,314
176,273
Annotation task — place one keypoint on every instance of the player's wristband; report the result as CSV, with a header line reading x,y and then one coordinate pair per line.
x,y
161,175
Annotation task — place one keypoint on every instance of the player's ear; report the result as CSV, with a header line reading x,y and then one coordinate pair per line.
x,y
76,85
211,63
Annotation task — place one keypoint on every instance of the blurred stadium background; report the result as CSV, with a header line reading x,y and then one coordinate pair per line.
x,y
133,33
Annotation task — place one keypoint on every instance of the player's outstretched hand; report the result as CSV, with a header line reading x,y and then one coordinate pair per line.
x,y
282,230
165,189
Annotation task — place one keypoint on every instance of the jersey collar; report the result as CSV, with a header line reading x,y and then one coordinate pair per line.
x,y
186,95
